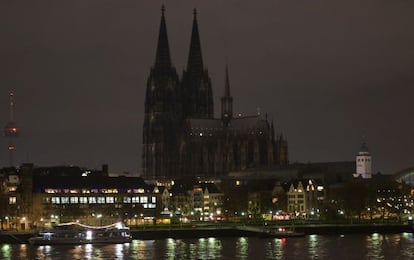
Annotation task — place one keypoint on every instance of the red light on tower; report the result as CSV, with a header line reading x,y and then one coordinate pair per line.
x,y
12,147
11,130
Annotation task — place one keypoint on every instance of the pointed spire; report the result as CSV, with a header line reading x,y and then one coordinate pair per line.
x,y
163,59
195,59
364,147
272,131
227,84
227,100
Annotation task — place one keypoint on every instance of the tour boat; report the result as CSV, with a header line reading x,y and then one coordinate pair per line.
x,y
76,233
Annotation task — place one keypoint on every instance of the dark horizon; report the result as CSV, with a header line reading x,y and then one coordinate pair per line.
x,y
327,73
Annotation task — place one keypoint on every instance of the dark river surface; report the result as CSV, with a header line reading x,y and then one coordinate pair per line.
x,y
353,247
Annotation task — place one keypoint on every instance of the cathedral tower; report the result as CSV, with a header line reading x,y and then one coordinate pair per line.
x,y
196,83
182,138
161,112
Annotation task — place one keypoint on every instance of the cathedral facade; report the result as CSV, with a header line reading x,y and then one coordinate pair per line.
x,y
181,136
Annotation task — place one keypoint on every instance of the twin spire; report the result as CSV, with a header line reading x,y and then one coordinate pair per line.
x,y
163,57
195,59
196,91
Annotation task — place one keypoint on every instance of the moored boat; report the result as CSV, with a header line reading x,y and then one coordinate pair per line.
x,y
268,232
280,233
76,233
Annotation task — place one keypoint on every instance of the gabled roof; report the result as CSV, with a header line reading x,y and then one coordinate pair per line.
x,y
211,187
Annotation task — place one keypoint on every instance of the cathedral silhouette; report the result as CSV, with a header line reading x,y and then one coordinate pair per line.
x,y
181,136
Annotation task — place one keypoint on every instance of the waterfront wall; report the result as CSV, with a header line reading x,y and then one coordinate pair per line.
x,y
182,233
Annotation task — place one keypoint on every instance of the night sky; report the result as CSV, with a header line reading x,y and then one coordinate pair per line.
x,y
328,72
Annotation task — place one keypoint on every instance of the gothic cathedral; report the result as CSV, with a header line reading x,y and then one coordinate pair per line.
x,y
181,136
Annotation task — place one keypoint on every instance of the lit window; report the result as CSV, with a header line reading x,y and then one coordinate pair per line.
x,y
101,200
153,199
135,199
12,200
83,200
74,200
64,200
92,200
127,199
109,199
110,191
143,199
55,200
89,235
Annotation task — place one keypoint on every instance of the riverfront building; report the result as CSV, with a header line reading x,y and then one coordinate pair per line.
x,y
38,197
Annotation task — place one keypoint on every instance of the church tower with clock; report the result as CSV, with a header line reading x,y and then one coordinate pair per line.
x,y
363,163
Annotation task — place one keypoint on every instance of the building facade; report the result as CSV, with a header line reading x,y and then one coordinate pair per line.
x,y
181,136
34,197
363,163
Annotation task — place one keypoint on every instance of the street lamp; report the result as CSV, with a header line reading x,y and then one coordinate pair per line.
x,y
99,217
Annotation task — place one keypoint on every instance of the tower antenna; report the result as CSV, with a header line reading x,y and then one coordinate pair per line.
x,y
11,130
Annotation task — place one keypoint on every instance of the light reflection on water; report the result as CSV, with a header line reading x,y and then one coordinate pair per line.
x,y
374,246
313,245
274,248
6,251
242,246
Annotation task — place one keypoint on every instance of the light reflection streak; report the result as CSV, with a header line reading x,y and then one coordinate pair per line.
x,y
242,247
119,251
88,251
374,246
146,249
6,251
313,246
274,248
23,251
170,252
214,248
77,252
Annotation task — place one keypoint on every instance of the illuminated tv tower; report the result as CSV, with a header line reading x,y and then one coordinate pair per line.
x,y
11,131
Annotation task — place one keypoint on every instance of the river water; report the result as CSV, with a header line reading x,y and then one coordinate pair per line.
x,y
372,246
